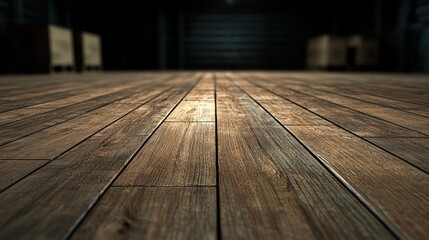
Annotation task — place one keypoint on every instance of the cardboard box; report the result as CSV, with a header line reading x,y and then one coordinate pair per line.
x,y
327,51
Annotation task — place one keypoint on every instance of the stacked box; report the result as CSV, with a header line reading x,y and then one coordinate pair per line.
x,y
88,51
362,51
327,51
40,48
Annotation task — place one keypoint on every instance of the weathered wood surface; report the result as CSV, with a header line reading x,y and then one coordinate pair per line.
x,y
269,183
209,155
12,171
413,150
68,186
178,154
152,213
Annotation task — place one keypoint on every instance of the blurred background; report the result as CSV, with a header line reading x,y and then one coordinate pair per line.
x,y
353,35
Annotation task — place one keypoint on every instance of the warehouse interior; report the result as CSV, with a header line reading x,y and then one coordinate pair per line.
x,y
214,119
230,34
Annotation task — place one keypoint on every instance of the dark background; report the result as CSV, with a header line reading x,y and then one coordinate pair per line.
x,y
229,34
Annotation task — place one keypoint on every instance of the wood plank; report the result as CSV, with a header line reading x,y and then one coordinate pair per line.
x,y
24,127
194,111
288,112
53,141
395,190
14,115
62,136
57,93
408,120
412,150
271,187
152,213
66,188
360,124
291,114
12,171
405,106
147,94
420,111
206,83
28,91
200,95
362,83
178,154
393,94
34,86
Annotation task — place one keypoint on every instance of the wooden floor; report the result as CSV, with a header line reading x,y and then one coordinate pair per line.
x,y
214,155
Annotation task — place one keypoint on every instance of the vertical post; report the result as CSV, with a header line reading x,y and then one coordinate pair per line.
x,y
162,37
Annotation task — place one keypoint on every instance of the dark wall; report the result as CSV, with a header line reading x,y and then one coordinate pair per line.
x,y
247,36
32,12
421,39
213,34
230,34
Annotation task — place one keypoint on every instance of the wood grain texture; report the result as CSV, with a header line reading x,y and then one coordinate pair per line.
x,y
53,141
67,187
292,114
412,150
409,120
206,83
396,191
32,110
178,154
12,171
270,185
152,213
194,111
420,111
200,95
69,133
405,106
360,124
288,112
26,126
289,155
43,97
395,94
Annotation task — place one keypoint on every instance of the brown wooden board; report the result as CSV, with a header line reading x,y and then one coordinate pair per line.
x,y
275,155
412,150
178,154
408,120
395,190
51,142
152,213
67,187
270,186
360,124
12,171
26,126
194,111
